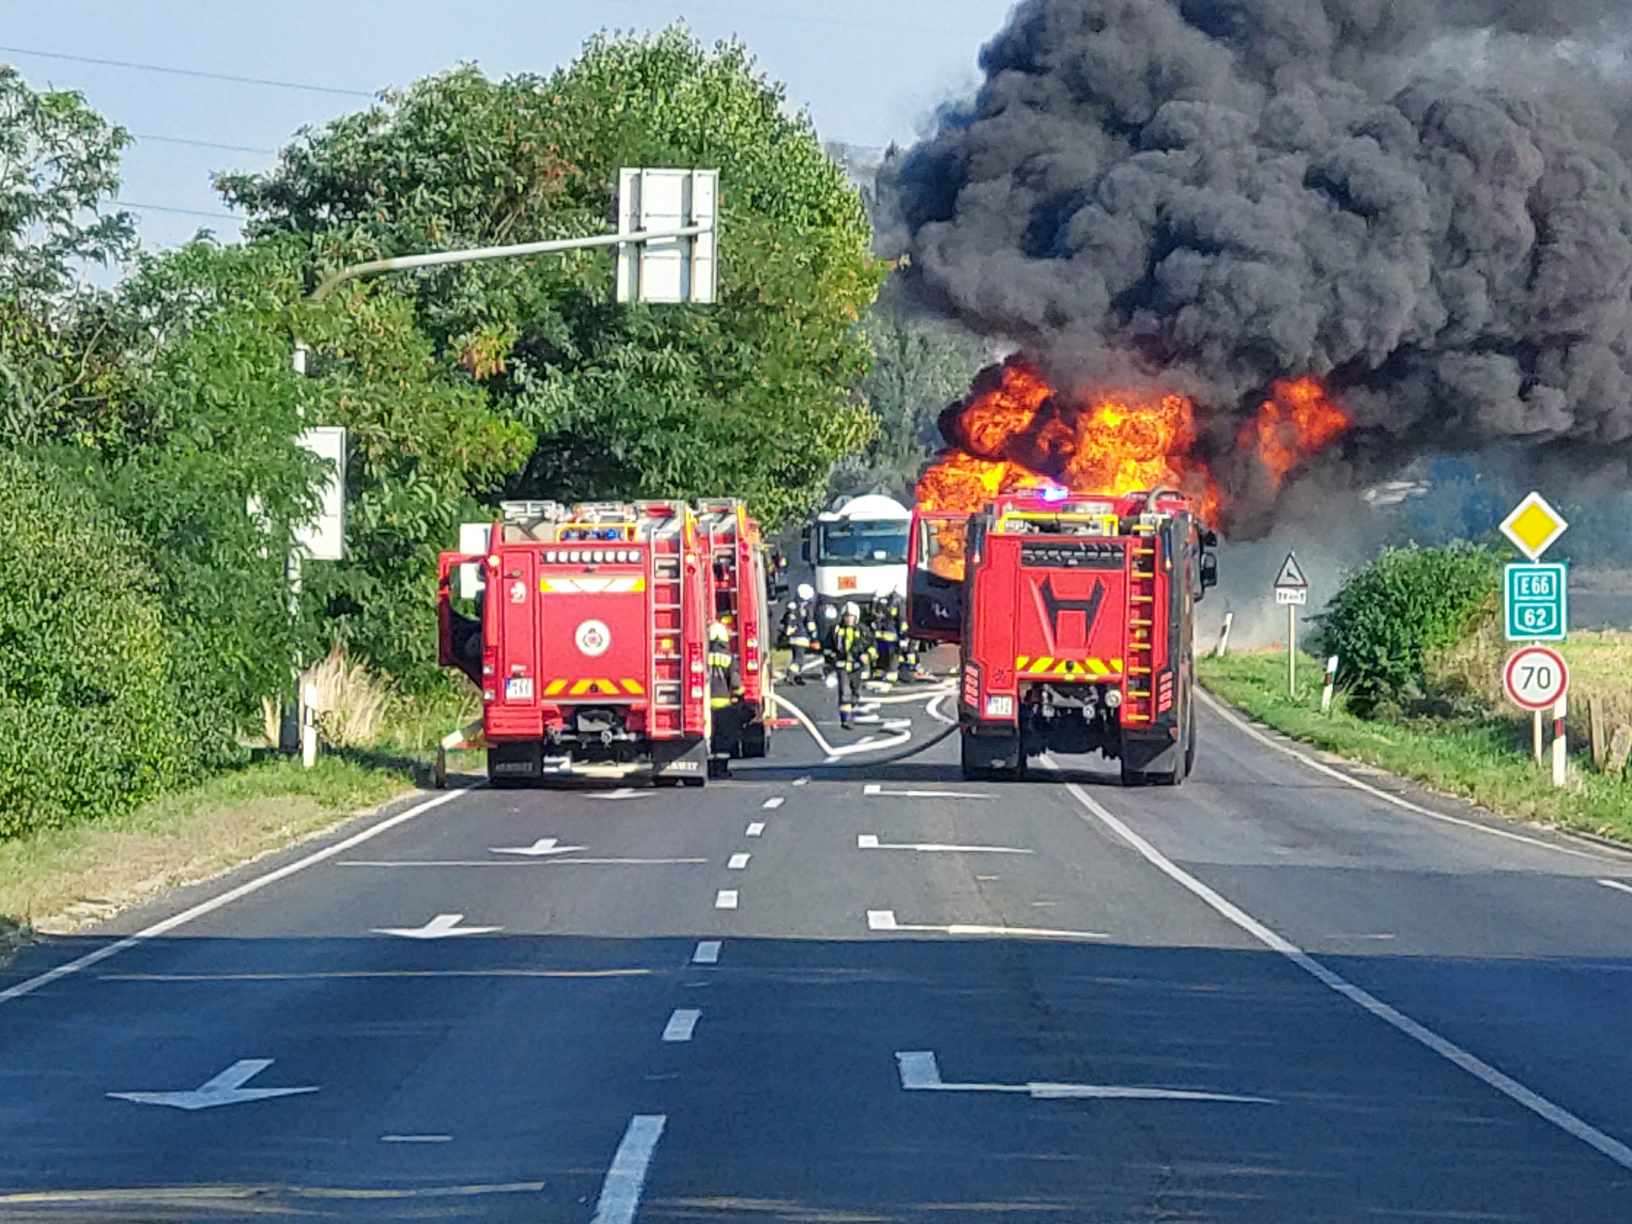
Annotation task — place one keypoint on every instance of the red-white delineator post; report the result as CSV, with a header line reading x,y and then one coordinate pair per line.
x,y
1331,683
1224,636
1560,742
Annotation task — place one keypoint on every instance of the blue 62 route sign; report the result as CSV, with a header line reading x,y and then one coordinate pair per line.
x,y
1536,602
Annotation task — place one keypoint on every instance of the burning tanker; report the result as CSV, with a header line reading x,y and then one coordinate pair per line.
x,y
1015,429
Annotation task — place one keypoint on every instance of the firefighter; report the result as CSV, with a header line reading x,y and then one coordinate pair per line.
x,y
724,699
849,654
799,631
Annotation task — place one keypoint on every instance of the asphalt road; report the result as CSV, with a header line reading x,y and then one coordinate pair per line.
x,y
1266,996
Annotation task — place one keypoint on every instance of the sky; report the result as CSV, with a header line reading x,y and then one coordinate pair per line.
x,y
869,72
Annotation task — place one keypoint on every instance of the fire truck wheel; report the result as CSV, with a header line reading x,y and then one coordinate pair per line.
x,y
692,781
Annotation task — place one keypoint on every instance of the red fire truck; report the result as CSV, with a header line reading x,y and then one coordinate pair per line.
x,y
1075,615
736,551
587,636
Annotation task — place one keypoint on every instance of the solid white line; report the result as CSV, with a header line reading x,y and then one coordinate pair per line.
x,y
707,953
754,829
620,1192
1378,793
884,920
771,804
1452,1053
681,1024
870,841
227,898
737,862
726,898
1616,885
416,1138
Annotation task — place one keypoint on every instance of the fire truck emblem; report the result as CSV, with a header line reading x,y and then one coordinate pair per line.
x,y
593,638
1057,604
518,592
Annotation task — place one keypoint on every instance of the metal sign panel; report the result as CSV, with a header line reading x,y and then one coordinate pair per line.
x,y
669,270
1291,574
1535,677
1292,595
472,540
1533,526
1535,602
324,539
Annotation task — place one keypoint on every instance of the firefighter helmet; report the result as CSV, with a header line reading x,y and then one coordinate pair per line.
x,y
850,609
717,632
806,592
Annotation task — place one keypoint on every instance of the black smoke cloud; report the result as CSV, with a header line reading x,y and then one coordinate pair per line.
x,y
1425,202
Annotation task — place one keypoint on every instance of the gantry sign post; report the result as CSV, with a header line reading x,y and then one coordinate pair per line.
x,y
668,222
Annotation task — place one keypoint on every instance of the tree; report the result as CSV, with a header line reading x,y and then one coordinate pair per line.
x,y
921,366
754,396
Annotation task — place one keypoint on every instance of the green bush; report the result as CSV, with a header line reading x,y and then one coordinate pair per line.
x,y
1405,604
89,718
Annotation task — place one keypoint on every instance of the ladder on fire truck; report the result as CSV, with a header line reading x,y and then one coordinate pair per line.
x,y
720,520
1140,653
666,609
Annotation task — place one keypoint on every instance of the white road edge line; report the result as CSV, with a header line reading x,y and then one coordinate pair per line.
x,y
1616,885
620,1192
726,898
416,1138
738,862
1452,1053
755,828
165,926
681,1024
707,952
1240,724
884,920
774,802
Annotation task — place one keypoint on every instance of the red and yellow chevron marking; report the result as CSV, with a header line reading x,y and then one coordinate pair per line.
x,y
618,584
1045,665
594,687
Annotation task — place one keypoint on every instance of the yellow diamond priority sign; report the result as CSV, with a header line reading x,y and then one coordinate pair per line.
x,y
1533,526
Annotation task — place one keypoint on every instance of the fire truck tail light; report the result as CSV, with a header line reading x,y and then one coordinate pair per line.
x,y
1000,707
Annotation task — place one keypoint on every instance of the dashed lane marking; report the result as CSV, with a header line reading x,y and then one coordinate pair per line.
x,y
620,1192
754,829
681,1024
774,802
726,898
707,952
737,862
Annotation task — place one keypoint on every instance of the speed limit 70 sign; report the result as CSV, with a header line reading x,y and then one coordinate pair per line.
x,y
1535,677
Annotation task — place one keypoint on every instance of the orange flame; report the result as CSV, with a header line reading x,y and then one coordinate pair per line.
x,y
1014,429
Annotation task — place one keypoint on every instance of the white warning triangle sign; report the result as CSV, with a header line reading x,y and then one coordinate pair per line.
x,y
1291,574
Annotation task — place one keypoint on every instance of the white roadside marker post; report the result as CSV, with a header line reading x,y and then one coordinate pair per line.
x,y
1224,636
1331,683
1560,743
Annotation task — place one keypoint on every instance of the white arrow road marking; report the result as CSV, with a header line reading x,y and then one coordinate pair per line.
x,y
224,1089
681,1024
726,898
920,1073
754,829
443,926
884,920
541,847
707,952
869,841
623,792
620,1192
416,1138
874,791
737,862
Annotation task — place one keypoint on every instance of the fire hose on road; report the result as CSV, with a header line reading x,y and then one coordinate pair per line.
x,y
836,756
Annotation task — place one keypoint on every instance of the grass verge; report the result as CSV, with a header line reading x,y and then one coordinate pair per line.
x,y
57,880
1482,758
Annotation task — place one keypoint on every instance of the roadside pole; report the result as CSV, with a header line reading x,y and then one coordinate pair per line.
x,y
1291,650
1331,685
1560,741
289,717
1224,636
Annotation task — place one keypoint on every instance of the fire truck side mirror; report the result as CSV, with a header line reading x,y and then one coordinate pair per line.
x,y
1209,570
804,544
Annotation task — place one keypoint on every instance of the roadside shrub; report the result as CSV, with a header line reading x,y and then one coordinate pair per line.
x,y
1408,602
89,717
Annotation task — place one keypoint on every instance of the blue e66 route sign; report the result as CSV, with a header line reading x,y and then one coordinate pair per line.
x,y
1536,601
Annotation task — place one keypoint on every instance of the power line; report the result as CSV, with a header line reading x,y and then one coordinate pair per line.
x,y
201,144
185,212
186,72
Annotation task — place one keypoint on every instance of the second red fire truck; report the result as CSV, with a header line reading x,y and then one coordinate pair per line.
x,y
1074,615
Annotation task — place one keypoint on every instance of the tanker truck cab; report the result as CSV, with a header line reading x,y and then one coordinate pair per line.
x,y
859,550
1077,620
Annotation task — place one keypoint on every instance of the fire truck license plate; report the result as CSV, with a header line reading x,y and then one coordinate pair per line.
x,y
518,688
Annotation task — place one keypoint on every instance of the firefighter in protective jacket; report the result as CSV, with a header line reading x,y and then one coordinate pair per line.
x,y
724,698
849,654
799,631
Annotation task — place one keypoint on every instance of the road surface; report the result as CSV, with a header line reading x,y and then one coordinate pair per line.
x,y
834,992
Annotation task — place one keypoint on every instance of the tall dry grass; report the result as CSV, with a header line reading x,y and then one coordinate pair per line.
x,y
352,702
